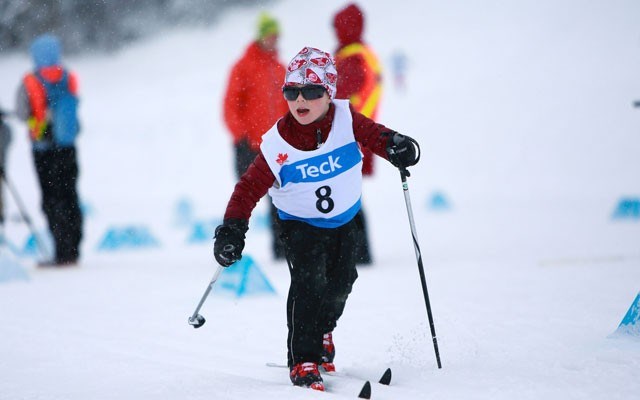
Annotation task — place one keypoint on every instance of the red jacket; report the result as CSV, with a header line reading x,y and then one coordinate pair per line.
x,y
349,26
359,74
253,101
258,178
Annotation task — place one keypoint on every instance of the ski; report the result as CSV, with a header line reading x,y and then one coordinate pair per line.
x,y
275,365
365,392
385,379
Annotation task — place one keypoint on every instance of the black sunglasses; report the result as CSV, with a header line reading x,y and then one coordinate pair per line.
x,y
311,92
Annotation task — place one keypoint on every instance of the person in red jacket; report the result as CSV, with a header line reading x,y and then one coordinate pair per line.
x,y
361,83
311,165
253,102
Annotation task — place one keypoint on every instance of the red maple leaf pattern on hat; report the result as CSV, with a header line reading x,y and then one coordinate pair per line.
x,y
332,78
282,158
313,77
320,61
296,64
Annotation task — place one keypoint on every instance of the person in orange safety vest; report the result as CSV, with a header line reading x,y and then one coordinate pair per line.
x,y
360,81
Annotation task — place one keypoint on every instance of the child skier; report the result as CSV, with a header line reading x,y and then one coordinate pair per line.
x,y
311,166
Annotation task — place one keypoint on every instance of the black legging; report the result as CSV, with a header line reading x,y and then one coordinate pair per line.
x,y
57,171
323,270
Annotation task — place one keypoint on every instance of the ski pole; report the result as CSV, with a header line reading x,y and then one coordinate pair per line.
x,y
404,173
25,216
4,113
196,320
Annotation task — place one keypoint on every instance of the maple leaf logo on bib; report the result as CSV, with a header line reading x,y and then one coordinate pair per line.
x,y
282,158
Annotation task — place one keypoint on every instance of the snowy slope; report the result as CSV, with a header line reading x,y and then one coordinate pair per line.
x,y
523,111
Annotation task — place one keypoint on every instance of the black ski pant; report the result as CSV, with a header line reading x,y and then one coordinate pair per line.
x,y
363,254
57,171
244,158
322,265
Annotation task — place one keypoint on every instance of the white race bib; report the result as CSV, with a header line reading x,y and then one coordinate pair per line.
x,y
321,187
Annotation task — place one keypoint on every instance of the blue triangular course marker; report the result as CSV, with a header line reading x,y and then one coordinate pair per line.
x,y
11,270
628,208
129,237
631,322
243,278
202,231
31,248
439,202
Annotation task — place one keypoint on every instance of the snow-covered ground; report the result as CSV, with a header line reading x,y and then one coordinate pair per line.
x,y
523,111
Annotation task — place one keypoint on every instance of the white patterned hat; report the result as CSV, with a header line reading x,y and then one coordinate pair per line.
x,y
312,66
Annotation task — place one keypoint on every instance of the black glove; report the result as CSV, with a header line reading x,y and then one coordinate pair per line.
x,y
229,241
402,152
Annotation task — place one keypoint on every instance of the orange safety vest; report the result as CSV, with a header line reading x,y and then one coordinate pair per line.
x,y
37,122
367,100
37,95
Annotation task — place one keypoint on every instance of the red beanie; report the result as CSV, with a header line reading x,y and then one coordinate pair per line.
x,y
349,24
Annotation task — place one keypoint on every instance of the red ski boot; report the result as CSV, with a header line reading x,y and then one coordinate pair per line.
x,y
307,375
328,353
